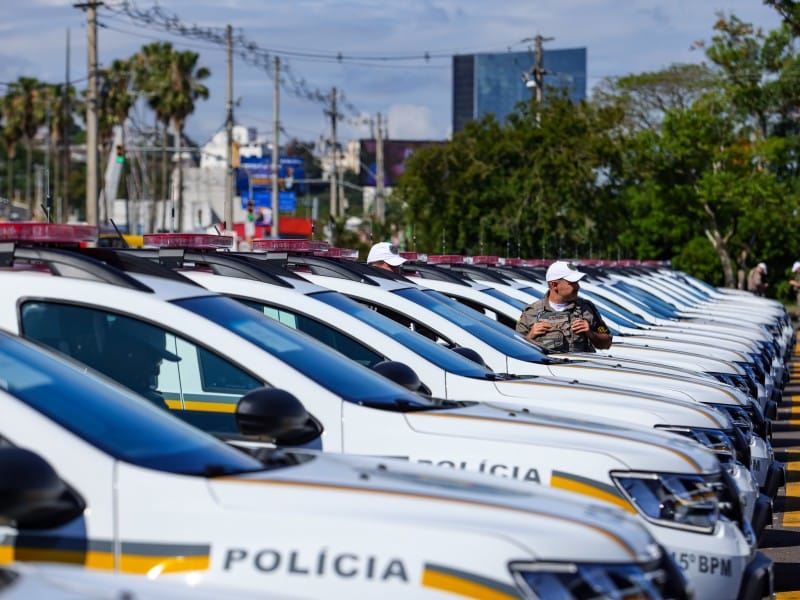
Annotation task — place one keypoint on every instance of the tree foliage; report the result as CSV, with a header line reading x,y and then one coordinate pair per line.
x,y
695,164
516,186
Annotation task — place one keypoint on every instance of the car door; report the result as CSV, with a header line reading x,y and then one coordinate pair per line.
x,y
175,373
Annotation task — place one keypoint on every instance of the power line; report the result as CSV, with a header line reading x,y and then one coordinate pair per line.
x,y
248,51
158,18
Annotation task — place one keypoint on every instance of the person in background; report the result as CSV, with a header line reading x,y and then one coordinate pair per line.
x,y
795,283
385,256
756,279
561,321
250,223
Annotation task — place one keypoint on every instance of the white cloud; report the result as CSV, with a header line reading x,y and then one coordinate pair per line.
x,y
412,122
621,36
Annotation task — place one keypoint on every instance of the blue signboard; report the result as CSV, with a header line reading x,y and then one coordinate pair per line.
x,y
287,202
254,178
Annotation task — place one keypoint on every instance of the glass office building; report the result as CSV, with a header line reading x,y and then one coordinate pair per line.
x,y
494,83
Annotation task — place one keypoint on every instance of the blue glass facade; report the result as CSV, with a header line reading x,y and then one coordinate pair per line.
x,y
484,83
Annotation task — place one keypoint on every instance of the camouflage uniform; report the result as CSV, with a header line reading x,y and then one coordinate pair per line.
x,y
797,296
561,338
755,282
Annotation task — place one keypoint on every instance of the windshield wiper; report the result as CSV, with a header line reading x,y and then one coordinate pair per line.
x,y
405,405
507,376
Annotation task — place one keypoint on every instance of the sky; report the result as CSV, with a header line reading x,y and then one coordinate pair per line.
x,y
392,58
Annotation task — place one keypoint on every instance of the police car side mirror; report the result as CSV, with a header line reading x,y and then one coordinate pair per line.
x,y
32,495
277,415
401,374
471,354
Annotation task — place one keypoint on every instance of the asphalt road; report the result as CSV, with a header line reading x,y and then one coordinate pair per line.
x,y
781,542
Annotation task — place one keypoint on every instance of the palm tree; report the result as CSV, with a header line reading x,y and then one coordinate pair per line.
x,y
11,134
25,108
118,97
61,106
185,88
151,78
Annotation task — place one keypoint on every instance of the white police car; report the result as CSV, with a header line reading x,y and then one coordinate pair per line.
x,y
453,382
452,324
225,349
370,338
139,492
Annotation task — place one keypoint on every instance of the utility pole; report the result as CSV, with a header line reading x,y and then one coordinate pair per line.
x,y
228,224
537,71
380,205
63,207
276,156
91,111
333,115
48,199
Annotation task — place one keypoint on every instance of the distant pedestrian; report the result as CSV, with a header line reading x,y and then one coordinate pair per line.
x,y
795,283
757,279
250,223
561,321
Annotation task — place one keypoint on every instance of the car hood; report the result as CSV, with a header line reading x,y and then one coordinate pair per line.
x,y
356,491
639,448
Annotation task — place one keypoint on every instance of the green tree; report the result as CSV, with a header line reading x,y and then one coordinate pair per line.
x,y
171,81
24,107
710,154
11,134
61,108
522,187
118,96
759,73
645,98
185,88
151,78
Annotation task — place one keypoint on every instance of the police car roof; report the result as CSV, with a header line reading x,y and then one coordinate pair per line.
x,y
343,269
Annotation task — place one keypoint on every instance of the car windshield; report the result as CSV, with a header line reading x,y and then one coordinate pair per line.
x,y
488,331
686,293
112,419
346,378
495,293
706,289
620,314
656,305
670,296
531,291
427,349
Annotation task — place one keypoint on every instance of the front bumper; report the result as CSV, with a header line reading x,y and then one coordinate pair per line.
x,y
762,515
758,582
775,479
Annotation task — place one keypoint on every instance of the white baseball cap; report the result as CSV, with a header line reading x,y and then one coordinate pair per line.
x,y
384,251
763,266
563,270
796,266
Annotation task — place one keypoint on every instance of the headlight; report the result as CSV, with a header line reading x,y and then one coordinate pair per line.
x,y
591,581
739,415
750,371
715,440
679,501
743,382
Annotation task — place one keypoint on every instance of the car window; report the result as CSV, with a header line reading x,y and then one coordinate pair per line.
x,y
169,370
420,344
345,378
500,337
109,418
326,334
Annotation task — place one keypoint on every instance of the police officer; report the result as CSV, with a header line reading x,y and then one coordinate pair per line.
x,y
795,283
757,279
385,255
561,321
